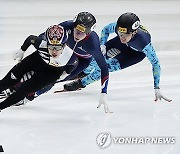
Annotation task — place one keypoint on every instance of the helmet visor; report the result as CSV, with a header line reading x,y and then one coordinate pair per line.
x,y
78,35
83,29
123,32
56,47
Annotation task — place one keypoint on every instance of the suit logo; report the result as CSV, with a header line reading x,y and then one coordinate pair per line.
x,y
13,76
136,25
82,49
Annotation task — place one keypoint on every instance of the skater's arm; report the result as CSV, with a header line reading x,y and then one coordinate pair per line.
x,y
30,40
96,53
151,55
108,29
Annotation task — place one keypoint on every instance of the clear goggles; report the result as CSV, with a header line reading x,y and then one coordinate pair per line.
x,y
79,33
56,47
124,34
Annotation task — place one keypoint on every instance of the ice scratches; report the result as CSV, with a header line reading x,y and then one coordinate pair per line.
x,y
88,122
176,115
170,150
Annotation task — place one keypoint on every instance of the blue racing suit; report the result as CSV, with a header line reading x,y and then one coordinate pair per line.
x,y
119,56
86,50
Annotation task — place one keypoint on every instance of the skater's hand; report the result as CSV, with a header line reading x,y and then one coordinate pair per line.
x,y
103,100
103,49
159,96
18,54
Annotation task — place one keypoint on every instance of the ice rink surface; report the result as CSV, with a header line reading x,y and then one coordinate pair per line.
x,y
69,123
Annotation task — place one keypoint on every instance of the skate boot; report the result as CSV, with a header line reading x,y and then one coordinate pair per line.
x,y
28,98
22,102
73,86
79,76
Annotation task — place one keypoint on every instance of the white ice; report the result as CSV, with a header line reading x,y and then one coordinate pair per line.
x,y
68,123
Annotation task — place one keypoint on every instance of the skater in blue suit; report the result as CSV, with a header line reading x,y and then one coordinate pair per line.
x,y
131,45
